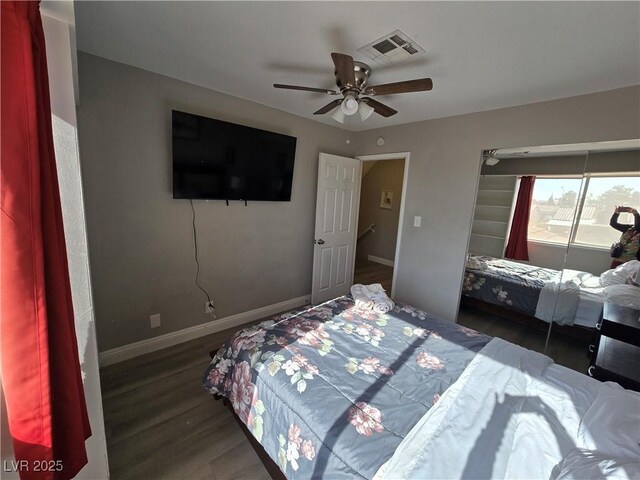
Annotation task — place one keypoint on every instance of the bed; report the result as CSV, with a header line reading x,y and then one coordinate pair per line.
x,y
569,297
335,392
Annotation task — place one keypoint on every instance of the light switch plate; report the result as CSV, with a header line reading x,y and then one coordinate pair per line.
x,y
417,221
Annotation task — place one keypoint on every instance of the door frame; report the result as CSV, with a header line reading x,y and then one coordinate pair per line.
x,y
403,196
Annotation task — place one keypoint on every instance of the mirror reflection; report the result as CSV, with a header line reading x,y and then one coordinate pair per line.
x,y
540,267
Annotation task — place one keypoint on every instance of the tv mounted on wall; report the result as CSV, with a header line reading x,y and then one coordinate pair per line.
x,y
219,160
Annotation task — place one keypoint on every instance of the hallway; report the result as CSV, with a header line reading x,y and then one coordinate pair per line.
x,y
367,272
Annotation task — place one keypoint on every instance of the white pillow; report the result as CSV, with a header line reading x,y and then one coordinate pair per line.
x,y
618,275
624,295
611,425
581,464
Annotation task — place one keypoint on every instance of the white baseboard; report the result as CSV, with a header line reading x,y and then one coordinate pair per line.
x,y
120,354
382,261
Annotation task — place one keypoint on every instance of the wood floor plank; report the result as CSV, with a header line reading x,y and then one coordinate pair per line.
x,y
190,452
244,466
161,424
367,272
171,398
161,441
567,351
120,378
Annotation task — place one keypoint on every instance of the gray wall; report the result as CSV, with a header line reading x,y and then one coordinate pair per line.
x,y
384,175
141,239
443,175
587,259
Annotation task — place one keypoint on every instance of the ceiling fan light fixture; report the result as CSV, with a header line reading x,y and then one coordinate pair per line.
x,y
490,158
349,105
352,82
365,110
338,114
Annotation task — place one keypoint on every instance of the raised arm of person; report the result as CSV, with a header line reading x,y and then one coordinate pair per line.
x,y
636,226
623,227
636,219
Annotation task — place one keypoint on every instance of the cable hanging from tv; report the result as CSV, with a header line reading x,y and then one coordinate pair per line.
x,y
195,249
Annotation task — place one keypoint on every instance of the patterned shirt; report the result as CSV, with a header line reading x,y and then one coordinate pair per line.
x,y
630,238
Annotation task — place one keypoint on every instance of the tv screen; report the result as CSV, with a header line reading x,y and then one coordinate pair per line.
x,y
218,160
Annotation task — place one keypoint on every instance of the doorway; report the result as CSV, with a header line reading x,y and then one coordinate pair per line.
x,y
381,205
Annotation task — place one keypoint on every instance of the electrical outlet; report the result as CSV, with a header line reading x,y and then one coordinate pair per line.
x,y
154,320
208,308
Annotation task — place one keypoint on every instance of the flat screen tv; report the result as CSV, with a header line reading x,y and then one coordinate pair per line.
x,y
219,160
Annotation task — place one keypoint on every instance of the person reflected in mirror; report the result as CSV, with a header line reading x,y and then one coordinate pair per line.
x,y
630,238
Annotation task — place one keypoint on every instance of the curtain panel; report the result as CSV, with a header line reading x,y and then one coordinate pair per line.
x,y
517,248
40,369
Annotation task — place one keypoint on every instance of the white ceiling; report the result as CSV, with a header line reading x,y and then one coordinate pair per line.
x,y
481,56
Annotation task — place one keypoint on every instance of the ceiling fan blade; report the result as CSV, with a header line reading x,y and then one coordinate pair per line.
x,y
345,70
380,108
419,85
328,107
306,89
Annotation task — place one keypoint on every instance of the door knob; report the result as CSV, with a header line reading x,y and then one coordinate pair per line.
x,y
319,241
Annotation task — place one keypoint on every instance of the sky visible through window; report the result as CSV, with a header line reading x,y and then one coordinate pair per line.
x,y
544,189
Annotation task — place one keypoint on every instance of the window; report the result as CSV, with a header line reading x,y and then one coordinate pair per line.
x,y
553,208
602,196
556,200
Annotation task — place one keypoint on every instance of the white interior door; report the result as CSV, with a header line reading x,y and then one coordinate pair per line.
x,y
336,226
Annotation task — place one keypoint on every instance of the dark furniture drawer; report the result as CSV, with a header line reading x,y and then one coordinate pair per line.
x,y
616,347
621,323
617,361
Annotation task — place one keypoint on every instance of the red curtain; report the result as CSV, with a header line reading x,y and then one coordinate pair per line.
x,y
40,370
517,246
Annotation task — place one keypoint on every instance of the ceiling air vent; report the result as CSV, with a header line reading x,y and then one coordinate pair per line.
x,y
398,40
410,49
384,46
391,48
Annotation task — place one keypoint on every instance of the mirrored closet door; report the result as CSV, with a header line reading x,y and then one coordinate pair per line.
x,y
540,241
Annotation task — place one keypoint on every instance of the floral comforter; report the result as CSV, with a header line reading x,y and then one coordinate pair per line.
x,y
331,391
512,285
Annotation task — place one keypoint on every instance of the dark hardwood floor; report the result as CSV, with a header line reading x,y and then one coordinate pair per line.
x,y
161,423
367,272
567,351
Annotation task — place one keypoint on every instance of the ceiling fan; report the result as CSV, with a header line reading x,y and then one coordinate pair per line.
x,y
351,79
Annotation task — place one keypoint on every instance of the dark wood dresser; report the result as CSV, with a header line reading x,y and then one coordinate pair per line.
x,y
616,347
